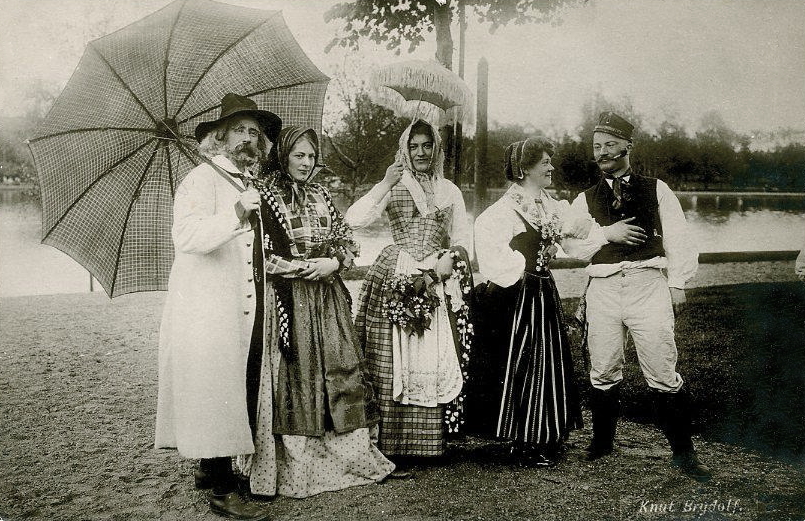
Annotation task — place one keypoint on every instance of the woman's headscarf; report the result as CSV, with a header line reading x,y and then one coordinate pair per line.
x,y
522,155
278,165
437,159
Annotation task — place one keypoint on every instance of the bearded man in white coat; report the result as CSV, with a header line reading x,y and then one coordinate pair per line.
x,y
213,311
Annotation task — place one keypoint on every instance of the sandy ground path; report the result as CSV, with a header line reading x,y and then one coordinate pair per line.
x,y
77,406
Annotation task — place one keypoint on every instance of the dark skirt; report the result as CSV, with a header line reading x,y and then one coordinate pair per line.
x,y
523,387
324,385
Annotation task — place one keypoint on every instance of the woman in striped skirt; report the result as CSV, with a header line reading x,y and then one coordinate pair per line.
x,y
536,404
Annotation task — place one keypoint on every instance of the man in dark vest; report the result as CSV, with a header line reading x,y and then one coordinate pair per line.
x,y
643,235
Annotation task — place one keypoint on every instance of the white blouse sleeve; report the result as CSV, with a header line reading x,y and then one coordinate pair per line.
x,y
496,260
583,249
680,249
368,208
461,231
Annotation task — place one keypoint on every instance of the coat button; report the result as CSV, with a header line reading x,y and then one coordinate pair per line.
x,y
246,312
248,262
249,245
249,279
249,295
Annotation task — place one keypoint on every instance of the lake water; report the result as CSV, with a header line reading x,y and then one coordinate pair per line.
x,y
723,223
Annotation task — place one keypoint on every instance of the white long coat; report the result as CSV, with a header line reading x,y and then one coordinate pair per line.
x,y
207,322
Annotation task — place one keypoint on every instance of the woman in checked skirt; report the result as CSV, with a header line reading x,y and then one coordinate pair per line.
x,y
431,230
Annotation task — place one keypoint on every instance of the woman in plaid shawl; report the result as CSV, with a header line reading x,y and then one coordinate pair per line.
x,y
415,378
315,395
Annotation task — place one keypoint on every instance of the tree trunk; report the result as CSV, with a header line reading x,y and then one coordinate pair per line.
x,y
459,133
442,18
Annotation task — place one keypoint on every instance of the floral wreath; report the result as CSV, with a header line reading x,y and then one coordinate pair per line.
x,y
454,411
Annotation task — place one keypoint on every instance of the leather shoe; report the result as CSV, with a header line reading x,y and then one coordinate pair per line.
x,y
233,506
537,459
400,474
689,464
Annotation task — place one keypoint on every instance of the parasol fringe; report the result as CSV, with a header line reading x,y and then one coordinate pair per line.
x,y
410,109
426,75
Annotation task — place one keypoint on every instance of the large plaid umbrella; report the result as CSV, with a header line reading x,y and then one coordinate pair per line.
x,y
119,139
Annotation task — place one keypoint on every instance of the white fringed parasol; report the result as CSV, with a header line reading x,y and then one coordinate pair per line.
x,y
422,89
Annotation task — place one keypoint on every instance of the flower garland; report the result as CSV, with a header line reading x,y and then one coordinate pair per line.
x,y
283,308
267,195
454,411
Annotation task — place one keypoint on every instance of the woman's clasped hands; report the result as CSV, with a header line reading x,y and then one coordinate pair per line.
x,y
319,268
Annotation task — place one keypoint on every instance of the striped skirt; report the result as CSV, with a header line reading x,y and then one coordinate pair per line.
x,y
540,403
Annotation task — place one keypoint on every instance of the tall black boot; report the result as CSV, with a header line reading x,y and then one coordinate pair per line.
x,y
674,419
605,406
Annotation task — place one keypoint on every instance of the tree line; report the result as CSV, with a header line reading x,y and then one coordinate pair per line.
x,y
359,146
711,158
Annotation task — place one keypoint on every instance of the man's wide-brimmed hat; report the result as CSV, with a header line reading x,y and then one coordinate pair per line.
x,y
615,125
234,104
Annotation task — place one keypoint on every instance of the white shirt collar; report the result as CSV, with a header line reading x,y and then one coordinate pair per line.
x,y
226,164
624,177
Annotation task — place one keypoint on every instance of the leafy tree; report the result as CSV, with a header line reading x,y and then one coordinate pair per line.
x,y
393,22
673,155
575,169
15,159
360,145
497,140
783,168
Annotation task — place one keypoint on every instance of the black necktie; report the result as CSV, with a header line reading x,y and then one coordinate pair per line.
x,y
618,186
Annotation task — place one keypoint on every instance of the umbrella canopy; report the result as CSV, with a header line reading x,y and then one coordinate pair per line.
x,y
422,89
119,139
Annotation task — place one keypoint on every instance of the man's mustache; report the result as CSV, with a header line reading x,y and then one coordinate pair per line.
x,y
607,157
246,149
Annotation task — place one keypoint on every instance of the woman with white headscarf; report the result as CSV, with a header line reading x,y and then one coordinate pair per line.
x,y
417,378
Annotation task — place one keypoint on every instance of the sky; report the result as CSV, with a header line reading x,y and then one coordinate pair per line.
x,y
677,59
